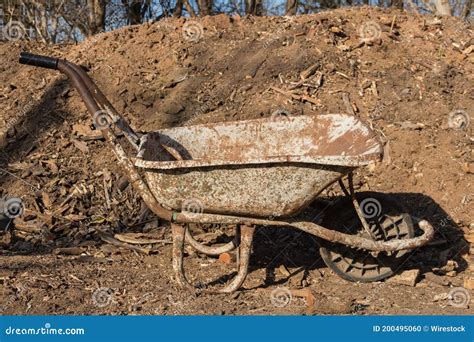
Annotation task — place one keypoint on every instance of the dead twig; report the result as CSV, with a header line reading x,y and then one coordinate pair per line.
x,y
297,97
113,241
307,73
359,45
107,195
347,103
139,239
393,23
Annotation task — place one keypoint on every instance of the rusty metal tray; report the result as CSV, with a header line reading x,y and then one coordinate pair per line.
x,y
263,167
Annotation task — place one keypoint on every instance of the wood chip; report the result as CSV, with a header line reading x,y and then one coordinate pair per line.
x,y
468,168
110,239
86,132
469,283
82,146
347,103
76,217
469,237
374,89
468,50
69,251
297,277
308,295
297,97
284,271
139,238
29,227
387,159
305,74
52,166
46,200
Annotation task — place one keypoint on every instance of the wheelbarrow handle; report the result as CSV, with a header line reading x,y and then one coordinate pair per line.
x,y
92,97
39,61
90,93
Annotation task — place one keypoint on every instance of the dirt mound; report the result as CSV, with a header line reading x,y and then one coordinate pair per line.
x,y
410,77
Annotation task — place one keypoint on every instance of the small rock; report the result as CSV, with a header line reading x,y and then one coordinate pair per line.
x,y
451,265
297,279
408,278
284,271
469,283
411,125
451,273
226,258
468,167
68,251
440,297
173,108
430,276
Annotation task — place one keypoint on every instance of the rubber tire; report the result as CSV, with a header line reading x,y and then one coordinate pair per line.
x,y
391,208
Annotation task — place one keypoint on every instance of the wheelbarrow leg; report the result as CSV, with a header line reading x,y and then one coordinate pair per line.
x,y
179,232
246,238
355,203
214,251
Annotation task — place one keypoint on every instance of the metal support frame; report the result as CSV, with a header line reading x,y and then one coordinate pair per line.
x,y
245,247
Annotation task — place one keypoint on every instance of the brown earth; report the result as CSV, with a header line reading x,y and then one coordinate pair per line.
x,y
404,83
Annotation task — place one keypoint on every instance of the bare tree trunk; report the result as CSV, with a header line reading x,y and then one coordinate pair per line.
x,y
291,7
189,8
397,3
43,19
332,3
466,11
133,11
178,9
249,4
253,7
204,7
442,7
258,7
96,17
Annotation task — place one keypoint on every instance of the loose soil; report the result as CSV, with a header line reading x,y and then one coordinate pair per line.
x,y
405,83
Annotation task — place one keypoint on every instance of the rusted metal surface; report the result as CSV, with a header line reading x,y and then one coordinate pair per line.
x,y
365,243
255,190
104,104
263,167
245,247
329,139
319,231
179,231
214,251
356,205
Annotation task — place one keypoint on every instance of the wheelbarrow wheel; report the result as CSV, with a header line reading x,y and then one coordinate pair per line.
x,y
359,265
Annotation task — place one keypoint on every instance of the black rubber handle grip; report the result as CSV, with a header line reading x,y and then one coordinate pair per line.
x,y
38,61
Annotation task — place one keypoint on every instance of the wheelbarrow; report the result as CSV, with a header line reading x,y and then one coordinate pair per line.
x,y
257,173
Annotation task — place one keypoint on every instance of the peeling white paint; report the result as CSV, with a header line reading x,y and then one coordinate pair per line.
x,y
330,139
344,124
